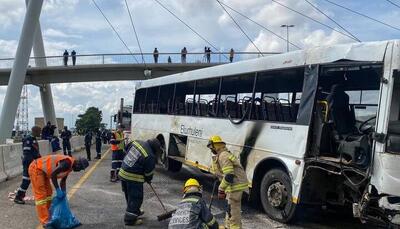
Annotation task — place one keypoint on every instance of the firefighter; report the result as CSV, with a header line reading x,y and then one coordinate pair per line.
x,y
98,144
117,146
66,141
137,168
233,180
30,147
51,167
192,211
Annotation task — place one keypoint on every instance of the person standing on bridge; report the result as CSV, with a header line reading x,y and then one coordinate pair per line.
x,y
65,57
51,167
231,54
98,144
208,52
30,147
73,55
155,55
66,136
183,55
233,180
117,146
88,144
137,168
192,211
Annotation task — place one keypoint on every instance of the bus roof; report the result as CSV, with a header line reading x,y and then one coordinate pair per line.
x,y
365,51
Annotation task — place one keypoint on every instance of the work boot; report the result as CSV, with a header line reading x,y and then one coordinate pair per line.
x,y
98,156
113,177
19,200
135,223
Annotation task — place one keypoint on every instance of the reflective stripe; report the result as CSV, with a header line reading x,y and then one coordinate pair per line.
x,y
192,200
149,174
44,201
27,148
143,151
237,187
25,178
227,169
22,190
131,176
224,184
211,222
232,157
115,161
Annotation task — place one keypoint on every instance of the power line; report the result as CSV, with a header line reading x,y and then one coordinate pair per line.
x,y
265,28
120,38
363,15
395,4
319,10
193,30
134,29
240,28
316,21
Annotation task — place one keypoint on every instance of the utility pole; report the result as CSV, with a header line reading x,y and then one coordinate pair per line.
x,y
287,35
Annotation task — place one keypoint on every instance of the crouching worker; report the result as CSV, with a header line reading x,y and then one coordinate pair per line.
x,y
137,168
51,167
192,212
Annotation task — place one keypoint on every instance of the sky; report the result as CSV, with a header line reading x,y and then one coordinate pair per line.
x,y
78,25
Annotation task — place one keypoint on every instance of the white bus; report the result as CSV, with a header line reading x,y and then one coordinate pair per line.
x,y
317,126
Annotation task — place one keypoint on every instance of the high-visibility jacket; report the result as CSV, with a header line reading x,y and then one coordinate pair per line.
x,y
192,212
227,166
50,162
138,164
117,141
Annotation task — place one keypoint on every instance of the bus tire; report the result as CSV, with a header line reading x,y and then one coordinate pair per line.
x,y
276,195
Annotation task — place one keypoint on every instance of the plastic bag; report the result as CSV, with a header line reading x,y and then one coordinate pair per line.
x,y
61,215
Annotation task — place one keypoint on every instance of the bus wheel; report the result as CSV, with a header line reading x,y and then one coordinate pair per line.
x,y
276,195
170,164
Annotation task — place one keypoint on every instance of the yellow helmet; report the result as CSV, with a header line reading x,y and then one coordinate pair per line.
x,y
191,183
214,139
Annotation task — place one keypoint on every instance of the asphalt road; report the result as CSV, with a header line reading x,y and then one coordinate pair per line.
x,y
98,203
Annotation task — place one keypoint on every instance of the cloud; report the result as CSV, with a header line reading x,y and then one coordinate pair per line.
x,y
59,34
11,11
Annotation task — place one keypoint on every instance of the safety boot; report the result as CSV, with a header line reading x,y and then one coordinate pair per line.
x,y
113,177
19,198
135,223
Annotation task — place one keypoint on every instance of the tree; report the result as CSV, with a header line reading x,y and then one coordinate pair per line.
x,y
89,121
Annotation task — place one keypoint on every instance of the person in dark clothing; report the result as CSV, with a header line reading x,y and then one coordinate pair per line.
x,y
192,211
73,54
169,60
104,136
47,132
30,147
208,55
339,110
65,57
55,144
88,144
66,137
98,144
231,55
183,55
137,168
155,55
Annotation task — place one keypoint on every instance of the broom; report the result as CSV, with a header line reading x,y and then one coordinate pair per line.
x,y
166,214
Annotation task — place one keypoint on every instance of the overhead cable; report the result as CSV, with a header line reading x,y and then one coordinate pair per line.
x,y
363,15
240,28
262,26
193,30
395,4
134,30
319,10
316,21
112,27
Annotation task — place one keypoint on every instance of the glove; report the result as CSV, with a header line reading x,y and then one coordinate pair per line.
x,y
148,179
221,194
59,193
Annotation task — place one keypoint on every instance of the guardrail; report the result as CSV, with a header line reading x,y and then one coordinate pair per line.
x,y
137,58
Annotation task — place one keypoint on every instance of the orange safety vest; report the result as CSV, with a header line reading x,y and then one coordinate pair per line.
x,y
50,162
119,137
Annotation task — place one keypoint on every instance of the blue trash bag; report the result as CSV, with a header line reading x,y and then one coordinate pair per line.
x,y
61,215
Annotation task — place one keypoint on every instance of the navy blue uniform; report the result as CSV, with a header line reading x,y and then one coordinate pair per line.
x,y
137,168
30,148
88,143
66,136
98,143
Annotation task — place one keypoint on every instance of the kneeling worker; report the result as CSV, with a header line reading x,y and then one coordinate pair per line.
x,y
51,167
233,183
137,168
192,212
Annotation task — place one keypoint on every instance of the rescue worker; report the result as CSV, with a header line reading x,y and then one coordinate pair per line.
x,y
88,144
192,211
104,136
66,136
117,146
51,167
30,147
137,168
233,180
98,144
46,132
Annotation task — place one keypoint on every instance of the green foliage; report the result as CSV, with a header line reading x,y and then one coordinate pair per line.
x,y
89,121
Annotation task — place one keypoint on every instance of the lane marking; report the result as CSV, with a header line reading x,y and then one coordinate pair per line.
x,y
82,180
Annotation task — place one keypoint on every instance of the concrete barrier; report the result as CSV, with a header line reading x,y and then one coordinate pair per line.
x,y
44,147
12,159
3,175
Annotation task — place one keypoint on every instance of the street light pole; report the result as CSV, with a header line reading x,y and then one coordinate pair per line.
x,y
287,35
